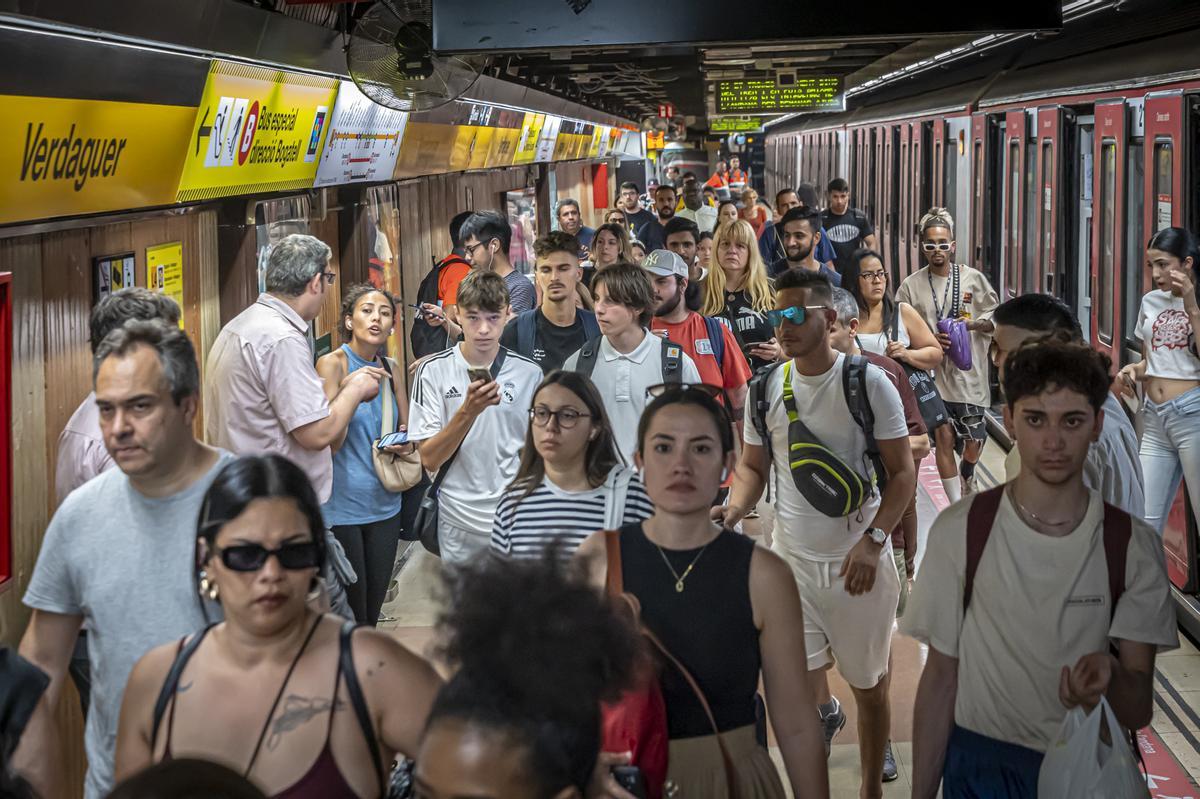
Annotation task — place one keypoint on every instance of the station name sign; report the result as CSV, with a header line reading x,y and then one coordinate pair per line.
x,y
822,93
735,125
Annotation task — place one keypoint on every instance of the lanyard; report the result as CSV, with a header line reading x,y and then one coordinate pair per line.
x,y
951,278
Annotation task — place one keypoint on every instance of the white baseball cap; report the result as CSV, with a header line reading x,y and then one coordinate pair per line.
x,y
663,263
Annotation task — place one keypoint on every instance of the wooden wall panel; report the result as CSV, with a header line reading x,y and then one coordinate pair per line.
x,y
327,231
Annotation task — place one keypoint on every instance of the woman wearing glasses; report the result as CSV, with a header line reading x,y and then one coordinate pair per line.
x,y
571,481
283,695
945,290
729,611
885,326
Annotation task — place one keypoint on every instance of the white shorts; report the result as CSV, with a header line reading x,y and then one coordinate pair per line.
x,y
856,631
458,544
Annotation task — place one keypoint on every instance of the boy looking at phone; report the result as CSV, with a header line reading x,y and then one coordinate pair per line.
x,y
470,407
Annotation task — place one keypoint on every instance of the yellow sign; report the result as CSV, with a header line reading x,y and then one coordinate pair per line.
x,y
531,130
425,150
62,156
257,129
599,135
164,272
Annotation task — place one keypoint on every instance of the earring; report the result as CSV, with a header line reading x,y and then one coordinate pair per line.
x,y
207,587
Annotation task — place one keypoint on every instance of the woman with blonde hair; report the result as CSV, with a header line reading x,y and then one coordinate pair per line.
x,y
738,289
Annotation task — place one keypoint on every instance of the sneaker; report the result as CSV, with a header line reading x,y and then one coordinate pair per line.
x,y
968,485
832,725
751,515
890,773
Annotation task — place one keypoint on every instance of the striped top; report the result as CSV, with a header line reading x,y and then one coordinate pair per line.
x,y
526,527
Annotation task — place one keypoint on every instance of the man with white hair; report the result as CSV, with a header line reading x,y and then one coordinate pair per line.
x,y
262,393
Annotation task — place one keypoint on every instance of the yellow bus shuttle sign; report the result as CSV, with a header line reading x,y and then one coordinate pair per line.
x,y
66,157
257,129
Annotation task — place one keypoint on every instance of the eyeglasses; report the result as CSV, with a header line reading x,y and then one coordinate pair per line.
x,y
329,277
930,246
660,389
795,314
252,557
878,274
566,417
471,248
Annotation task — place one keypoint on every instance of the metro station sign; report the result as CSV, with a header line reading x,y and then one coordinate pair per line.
x,y
735,125
806,94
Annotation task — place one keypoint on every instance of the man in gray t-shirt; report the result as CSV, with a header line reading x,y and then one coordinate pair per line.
x,y
120,551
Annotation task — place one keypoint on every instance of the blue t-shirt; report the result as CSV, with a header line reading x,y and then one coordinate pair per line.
x,y
358,497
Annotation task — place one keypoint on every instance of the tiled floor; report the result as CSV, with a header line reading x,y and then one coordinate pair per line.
x,y
412,613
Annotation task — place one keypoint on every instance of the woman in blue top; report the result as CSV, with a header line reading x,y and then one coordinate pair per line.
x,y
364,516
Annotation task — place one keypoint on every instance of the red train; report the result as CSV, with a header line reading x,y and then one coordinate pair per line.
x,y
1057,167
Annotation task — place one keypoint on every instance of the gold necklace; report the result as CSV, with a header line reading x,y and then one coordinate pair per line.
x,y
1028,514
679,578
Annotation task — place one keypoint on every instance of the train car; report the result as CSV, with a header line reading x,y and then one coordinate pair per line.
x,y
1057,173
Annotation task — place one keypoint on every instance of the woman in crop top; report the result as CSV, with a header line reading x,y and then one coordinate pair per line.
x,y
726,609
282,694
1170,372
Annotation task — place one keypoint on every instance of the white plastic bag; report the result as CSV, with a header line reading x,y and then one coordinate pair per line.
x,y
1079,765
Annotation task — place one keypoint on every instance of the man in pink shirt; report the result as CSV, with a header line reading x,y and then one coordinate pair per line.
x,y
262,393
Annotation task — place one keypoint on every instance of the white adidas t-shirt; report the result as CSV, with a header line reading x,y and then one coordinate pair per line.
x,y
802,530
488,459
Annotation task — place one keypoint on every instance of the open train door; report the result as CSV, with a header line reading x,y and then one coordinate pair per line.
x,y
1108,228
1051,182
1016,132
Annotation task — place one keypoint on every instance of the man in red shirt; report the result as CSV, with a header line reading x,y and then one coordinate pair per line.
x,y
708,341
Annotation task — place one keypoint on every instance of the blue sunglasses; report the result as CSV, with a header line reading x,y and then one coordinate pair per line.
x,y
796,314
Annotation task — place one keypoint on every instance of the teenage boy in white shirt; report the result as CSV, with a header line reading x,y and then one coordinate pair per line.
x,y
483,419
843,565
1025,632
628,359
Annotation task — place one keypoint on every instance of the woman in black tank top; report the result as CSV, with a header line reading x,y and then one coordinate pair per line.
x,y
725,608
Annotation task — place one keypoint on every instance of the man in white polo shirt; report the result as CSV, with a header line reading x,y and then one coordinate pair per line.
x,y
477,425
628,359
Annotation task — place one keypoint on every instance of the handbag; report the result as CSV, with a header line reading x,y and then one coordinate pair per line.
x,y
397,473
929,399
637,722
429,513
616,487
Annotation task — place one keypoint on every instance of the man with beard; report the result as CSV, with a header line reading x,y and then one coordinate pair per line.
x,y
801,234
630,205
683,239
651,234
708,341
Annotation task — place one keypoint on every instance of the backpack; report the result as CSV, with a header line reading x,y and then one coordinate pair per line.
x,y
819,461
716,337
427,339
527,329
672,359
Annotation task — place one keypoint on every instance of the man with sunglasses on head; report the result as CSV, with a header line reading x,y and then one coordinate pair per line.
x,y
842,563
947,290
262,393
486,237
120,550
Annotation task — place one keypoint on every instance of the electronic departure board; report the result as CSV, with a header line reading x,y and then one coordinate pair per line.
x,y
767,97
735,125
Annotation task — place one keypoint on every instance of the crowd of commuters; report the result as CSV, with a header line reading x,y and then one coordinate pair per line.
x,y
603,427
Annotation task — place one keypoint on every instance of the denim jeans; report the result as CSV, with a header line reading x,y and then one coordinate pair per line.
x,y
1170,451
978,767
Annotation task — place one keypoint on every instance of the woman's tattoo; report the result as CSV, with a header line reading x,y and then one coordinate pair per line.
x,y
296,711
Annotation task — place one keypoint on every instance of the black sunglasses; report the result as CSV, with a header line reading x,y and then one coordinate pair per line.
x,y
252,557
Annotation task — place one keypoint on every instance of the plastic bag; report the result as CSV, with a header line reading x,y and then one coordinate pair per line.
x,y
1079,765
960,342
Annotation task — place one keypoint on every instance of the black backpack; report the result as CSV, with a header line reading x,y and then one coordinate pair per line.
x,y
427,339
672,359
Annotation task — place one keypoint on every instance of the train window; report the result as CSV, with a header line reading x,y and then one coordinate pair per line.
x,y
1029,233
977,197
950,180
1163,162
1012,219
1135,207
1108,229
275,219
1047,186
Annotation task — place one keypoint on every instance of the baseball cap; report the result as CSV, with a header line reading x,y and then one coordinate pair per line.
x,y
663,263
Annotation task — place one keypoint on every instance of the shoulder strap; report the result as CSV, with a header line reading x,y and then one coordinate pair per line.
x,y
591,328
391,409
436,486
171,683
1118,530
614,582
526,332
980,518
895,332
716,337
672,361
586,363
358,701
854,384
758,404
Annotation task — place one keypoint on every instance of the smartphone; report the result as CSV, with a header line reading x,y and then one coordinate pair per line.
x,y
479,373
630,778
392,440
420,311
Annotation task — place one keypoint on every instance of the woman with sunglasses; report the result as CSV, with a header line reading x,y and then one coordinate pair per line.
x,y
571,481
725,608
739,290
280,693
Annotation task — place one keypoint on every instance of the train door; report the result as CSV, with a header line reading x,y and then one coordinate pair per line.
x,y
1108,229
905,179
1015,134
1083,186
938,180
922,197
1051,218
983,182
891,166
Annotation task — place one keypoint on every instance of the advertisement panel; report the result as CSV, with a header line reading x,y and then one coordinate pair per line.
x,y
507,135
363,140
164,272
548,139
65,157
257,129
425,150
527,145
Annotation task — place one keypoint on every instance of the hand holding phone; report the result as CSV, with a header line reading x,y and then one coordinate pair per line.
x,y
630,779
477,373
392,440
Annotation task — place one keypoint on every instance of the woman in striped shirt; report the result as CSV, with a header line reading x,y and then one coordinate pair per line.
x,y
571,481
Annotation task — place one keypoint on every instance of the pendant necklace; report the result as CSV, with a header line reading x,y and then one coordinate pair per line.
x,y
679,578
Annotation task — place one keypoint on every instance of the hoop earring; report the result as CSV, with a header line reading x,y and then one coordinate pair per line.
x,y
208,588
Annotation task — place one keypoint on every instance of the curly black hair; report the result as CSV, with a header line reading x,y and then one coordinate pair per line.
x,y
1056,364
536,649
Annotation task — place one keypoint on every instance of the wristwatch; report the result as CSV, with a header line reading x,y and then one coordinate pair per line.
x,y
876,534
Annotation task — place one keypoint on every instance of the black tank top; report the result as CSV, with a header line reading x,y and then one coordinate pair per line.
x,y
709,626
